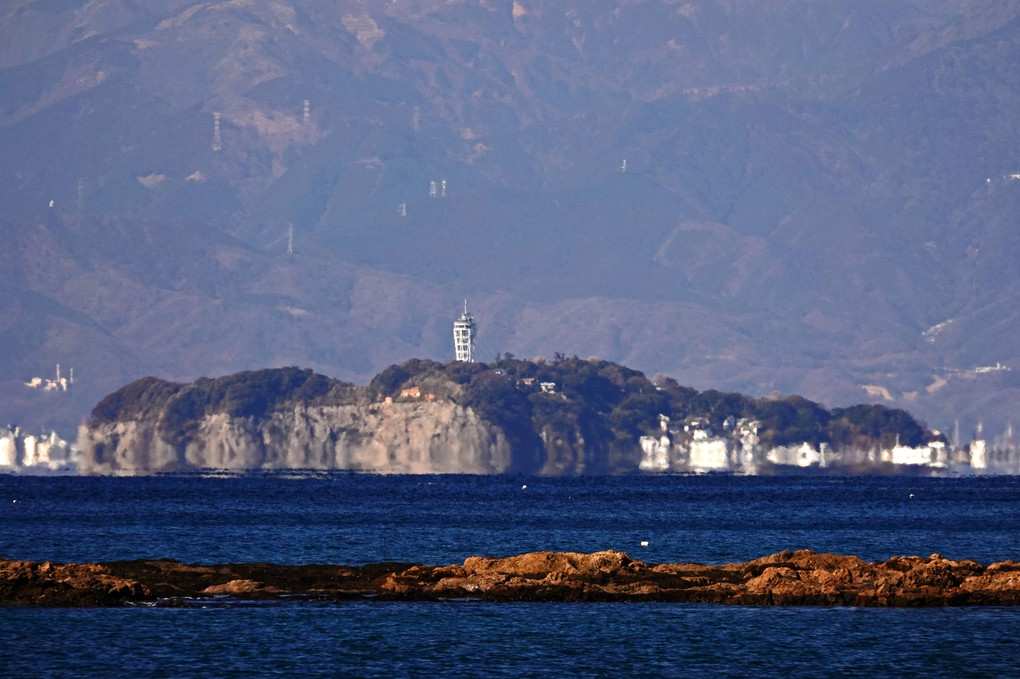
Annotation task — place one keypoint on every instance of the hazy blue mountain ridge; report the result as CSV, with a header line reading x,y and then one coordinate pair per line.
x,y
809,189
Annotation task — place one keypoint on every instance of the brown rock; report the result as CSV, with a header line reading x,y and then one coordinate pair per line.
x,y
785,578
49,584
235,587
540,564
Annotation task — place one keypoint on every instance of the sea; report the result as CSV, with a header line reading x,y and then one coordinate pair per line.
x,y
353,519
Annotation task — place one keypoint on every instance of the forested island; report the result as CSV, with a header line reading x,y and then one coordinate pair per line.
x,y
564,416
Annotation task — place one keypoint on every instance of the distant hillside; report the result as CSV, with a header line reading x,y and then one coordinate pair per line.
x,y
765,196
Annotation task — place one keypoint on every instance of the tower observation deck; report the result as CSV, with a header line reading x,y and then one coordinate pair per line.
x,y
464,331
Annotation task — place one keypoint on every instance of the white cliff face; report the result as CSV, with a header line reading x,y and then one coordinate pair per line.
x,y
388,438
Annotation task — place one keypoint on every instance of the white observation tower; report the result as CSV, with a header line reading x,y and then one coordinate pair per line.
x,y
464,330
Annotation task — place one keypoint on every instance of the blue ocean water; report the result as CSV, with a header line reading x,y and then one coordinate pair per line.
x,y
356,519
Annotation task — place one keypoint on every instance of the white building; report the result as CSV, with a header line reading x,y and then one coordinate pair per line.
x,y
932,455
708,453
59,383
464,331
29,460
26,452
795,456
655,453
8,449
978,454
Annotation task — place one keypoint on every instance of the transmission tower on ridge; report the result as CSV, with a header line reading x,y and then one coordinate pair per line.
x,y
464,331
217,142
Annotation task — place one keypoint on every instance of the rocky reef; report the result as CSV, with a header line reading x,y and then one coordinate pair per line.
x,y
801,578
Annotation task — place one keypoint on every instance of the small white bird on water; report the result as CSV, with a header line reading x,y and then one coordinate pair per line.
x,y
644,543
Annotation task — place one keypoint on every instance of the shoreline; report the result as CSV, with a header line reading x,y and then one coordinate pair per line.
x,y
802,578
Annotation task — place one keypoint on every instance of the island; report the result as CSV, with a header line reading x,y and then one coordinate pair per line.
x,y
564,416
801,578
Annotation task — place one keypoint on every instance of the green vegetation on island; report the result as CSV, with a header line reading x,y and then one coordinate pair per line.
x,y
586,414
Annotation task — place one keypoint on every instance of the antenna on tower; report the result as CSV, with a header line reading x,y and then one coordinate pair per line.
x,y
443,194
290,240
217,142
402,209
307,113
464,331
433,190
623,167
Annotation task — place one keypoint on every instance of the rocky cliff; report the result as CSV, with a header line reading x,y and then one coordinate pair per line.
x,y
563,417
400,438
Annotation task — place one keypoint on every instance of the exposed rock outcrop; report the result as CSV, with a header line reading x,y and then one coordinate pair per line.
x,y
49,584
786,578
412,438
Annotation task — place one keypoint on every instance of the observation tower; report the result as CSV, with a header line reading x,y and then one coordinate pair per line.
x,y
464,330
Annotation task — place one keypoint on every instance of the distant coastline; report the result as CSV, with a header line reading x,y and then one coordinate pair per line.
x,y
568,416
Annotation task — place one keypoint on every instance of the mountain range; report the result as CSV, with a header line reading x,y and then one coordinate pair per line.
x,y
779,196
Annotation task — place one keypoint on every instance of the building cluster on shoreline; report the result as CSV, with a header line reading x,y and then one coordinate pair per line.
x,y
693,447
24,452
